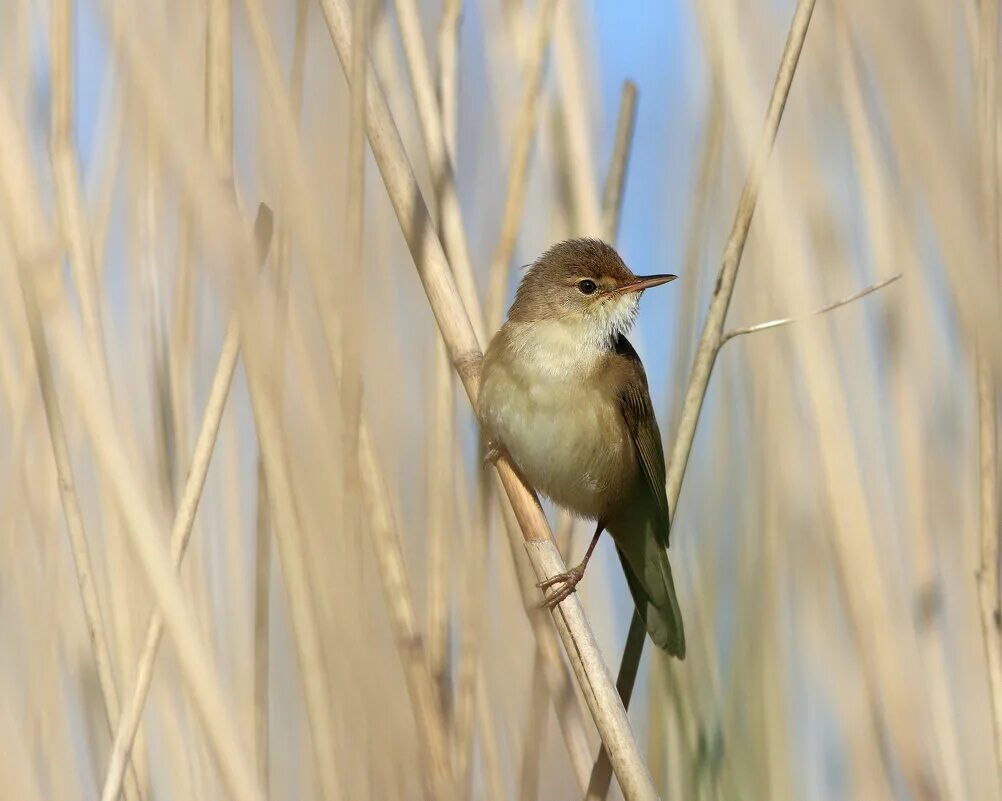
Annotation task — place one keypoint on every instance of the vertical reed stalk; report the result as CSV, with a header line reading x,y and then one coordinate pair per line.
x,y
988,579
518,166
76,232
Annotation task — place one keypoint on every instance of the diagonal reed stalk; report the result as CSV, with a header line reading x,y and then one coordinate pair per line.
x,y
464,350
396,171
712,337
181,528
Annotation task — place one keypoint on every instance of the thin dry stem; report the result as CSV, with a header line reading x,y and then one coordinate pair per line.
x,y
141,523
713,328
263,530
558,680
76,233
615,180
988,579
751,329
535,734
262,626
518,167
448,73
393,572
440,526
352,281
181,531
575,96
433,133
988,570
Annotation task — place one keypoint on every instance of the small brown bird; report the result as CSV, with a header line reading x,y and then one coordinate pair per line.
x,y
565,395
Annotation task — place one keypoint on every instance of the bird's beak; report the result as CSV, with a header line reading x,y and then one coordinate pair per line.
x,y
643,282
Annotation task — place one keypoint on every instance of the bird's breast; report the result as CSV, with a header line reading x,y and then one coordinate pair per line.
x,y
563,430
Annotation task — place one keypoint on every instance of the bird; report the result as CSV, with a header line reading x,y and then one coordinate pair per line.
x,y
564,394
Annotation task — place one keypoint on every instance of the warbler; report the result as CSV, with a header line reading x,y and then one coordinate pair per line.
x,y
565,395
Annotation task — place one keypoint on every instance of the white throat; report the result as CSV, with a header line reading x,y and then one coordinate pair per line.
x,y
569,346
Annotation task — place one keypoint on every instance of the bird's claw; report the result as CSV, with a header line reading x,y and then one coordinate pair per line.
x,y
569,582
492,455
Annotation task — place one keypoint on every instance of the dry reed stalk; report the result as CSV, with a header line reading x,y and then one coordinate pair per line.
x,y
440,526
288,534
104,188
615,179
988,571
518,166
534,735
989,582
453,236
181,530
350,310
472,700
565,703
888,245
709,164
433,133
668,747
218,91
393,573
448,73
75,230
219,86
493,773
713,328
263,529
473,584
535,729
74,518
574,101
66,172
262,626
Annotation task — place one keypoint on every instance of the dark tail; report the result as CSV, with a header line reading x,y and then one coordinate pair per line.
x,y
645,562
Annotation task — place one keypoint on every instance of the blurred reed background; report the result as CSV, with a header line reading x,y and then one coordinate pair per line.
x,y
349,621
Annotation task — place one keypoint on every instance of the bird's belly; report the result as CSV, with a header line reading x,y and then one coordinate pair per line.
x,y
570,442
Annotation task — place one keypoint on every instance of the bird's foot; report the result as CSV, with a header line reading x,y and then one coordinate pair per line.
x,y
568,582
492,454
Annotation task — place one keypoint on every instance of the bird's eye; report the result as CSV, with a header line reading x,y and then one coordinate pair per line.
x,y
587,286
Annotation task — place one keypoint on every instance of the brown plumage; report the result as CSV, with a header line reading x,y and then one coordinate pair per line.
x,y
565,395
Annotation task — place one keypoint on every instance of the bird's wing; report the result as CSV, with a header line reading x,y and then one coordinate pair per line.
x,y
638,412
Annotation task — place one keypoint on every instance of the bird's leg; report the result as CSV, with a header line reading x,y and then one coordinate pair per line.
x,y
492,454
570,579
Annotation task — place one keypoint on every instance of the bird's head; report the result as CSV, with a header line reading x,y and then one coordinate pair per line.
x,y
583,284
